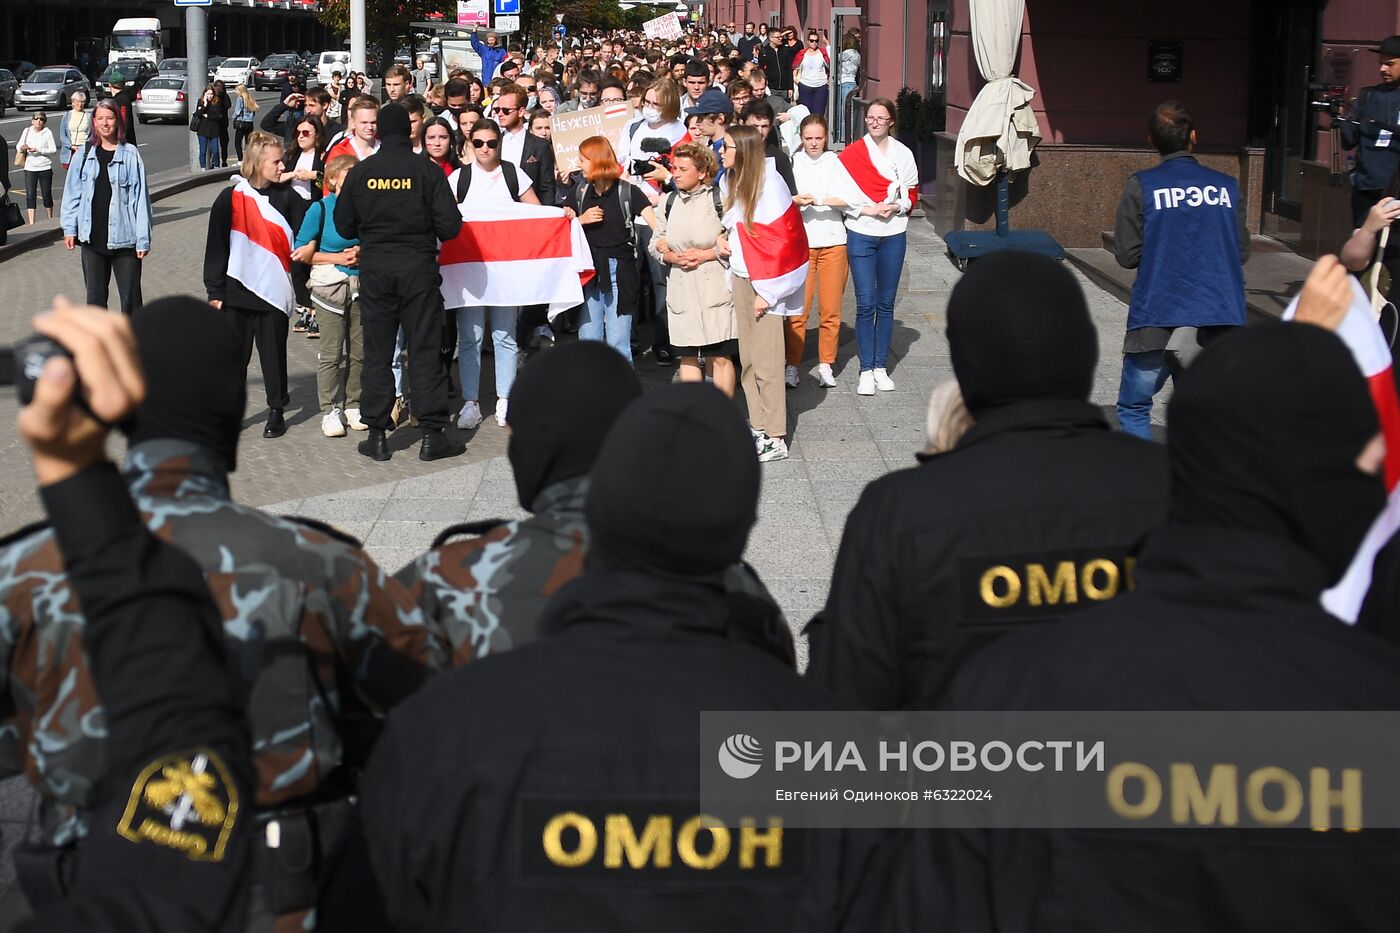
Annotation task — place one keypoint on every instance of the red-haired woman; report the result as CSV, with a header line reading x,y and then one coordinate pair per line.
x,y
607,207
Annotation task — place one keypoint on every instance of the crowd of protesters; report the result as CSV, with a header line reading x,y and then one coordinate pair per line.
x,y
506,732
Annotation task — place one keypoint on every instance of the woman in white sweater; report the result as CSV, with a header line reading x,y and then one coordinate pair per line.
x,y
37,145
815,169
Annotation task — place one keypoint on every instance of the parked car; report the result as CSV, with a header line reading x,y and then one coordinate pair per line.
x,y
9,84
50,87
274,70
214,62
164,97
236,71
134,71
327,62
21,69
173,66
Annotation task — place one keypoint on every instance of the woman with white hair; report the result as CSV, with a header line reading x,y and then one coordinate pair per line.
x,y
74,128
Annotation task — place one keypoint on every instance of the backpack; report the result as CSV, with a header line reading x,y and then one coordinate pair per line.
x,y
464,180
714,195
624,198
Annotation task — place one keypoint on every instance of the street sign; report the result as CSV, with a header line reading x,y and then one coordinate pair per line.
x,y
507,7
194,2
507,24
559,17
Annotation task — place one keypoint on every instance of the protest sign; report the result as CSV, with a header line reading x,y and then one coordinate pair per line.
x,y
569,130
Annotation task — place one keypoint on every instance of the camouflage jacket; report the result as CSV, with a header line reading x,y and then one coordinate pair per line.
x,y
487,594
307,613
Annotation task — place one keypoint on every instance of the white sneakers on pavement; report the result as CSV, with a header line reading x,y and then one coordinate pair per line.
x,y
469,417
353,421
866,384
502,406
791,377
825,378
331,425
770,448
883,382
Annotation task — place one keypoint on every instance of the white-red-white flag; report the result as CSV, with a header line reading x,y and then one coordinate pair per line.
x,y
773,255
1363,336
260,248
874,175
516,254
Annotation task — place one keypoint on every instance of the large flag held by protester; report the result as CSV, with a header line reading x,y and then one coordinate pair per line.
x,y
1363,336
260,248
516,254
773,255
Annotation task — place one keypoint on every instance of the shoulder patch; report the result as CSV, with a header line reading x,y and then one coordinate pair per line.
x,y
24,532
468,528
187,802
326,529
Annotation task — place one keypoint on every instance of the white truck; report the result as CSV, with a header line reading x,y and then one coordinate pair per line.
x,y
138,37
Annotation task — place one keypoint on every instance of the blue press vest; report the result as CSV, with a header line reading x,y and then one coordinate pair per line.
x,y
1190,273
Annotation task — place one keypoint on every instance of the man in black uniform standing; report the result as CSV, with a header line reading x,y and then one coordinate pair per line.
x,y
1033,515
169,847
399,205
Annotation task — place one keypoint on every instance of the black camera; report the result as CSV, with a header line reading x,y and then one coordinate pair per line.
x,y
1327,98
659,148
22,364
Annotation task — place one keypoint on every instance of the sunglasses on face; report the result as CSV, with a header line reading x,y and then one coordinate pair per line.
x,y
305,133
488,143
506,109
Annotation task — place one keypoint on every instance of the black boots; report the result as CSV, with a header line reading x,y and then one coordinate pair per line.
x,y
375,445
436,446
276,424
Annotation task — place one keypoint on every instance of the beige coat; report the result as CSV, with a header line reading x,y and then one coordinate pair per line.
x,y
699,308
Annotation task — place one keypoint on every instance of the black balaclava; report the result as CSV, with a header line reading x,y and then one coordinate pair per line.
x,y
393,123
1263,432
675,488
195,376
1019,329
563,404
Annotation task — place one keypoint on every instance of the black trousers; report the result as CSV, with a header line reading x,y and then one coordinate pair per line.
x,y
267,329
98,270
407,298
240,135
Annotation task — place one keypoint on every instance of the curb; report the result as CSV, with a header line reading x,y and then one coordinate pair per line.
x,y
165,185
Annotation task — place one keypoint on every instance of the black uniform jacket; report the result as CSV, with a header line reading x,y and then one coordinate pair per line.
x,y
398,205
1036,513
1220,620
486,786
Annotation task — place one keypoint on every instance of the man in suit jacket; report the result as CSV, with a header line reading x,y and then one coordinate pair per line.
x,y
534,157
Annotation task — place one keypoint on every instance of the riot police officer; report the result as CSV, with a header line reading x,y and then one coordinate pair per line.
x,y
399,206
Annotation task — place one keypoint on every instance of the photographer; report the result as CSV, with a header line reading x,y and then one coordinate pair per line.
x,y
1372,131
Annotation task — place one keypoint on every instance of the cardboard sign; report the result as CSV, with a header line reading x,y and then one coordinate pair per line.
x,y
663,27
569,130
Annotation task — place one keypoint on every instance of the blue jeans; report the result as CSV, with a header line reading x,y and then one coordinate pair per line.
x,y
209,156
843,91
600,320
876,263
1144,374
471,327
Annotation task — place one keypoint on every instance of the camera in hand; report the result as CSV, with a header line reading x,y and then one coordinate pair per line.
x,y
21,364
659,148
1327,98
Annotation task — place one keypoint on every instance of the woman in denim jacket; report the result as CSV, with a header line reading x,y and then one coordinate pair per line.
x,y
107,209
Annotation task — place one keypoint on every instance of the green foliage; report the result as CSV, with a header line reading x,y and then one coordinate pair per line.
x,y
907,104
932,118
385,20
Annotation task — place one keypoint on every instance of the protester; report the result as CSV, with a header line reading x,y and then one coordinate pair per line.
x,y
206,120
221,92
304,167
361,138
811,71
775,61
247,265
699,309
540,126
1040,479
885,192
823,218
124,105
107,209
948,419
245,110
491,52
549,98
334,282
74,128
761,117
535,158
847,73
439,142
607,207
36,144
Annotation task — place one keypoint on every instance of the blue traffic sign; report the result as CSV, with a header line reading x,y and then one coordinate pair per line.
x,y
507,7
194,2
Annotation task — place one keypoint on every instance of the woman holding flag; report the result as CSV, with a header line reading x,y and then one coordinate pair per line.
x,y
248,264
886,190
768,253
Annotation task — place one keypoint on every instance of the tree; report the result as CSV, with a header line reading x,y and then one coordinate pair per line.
x,y
385,20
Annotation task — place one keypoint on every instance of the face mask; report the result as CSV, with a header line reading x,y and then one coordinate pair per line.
x,y
651,114
532,102
588,100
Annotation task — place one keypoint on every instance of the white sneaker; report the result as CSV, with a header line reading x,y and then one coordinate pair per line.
x,y
469,417
502,406
353,421
825,379
774,448
866,385
883,382
331,425
791,377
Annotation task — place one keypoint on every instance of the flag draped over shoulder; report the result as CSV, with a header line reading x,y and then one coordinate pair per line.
x,y
516,254
774,256
260,248
873,174
1362,335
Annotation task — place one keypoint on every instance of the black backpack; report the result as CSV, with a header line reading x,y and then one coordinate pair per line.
x,y
714,195
464,180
